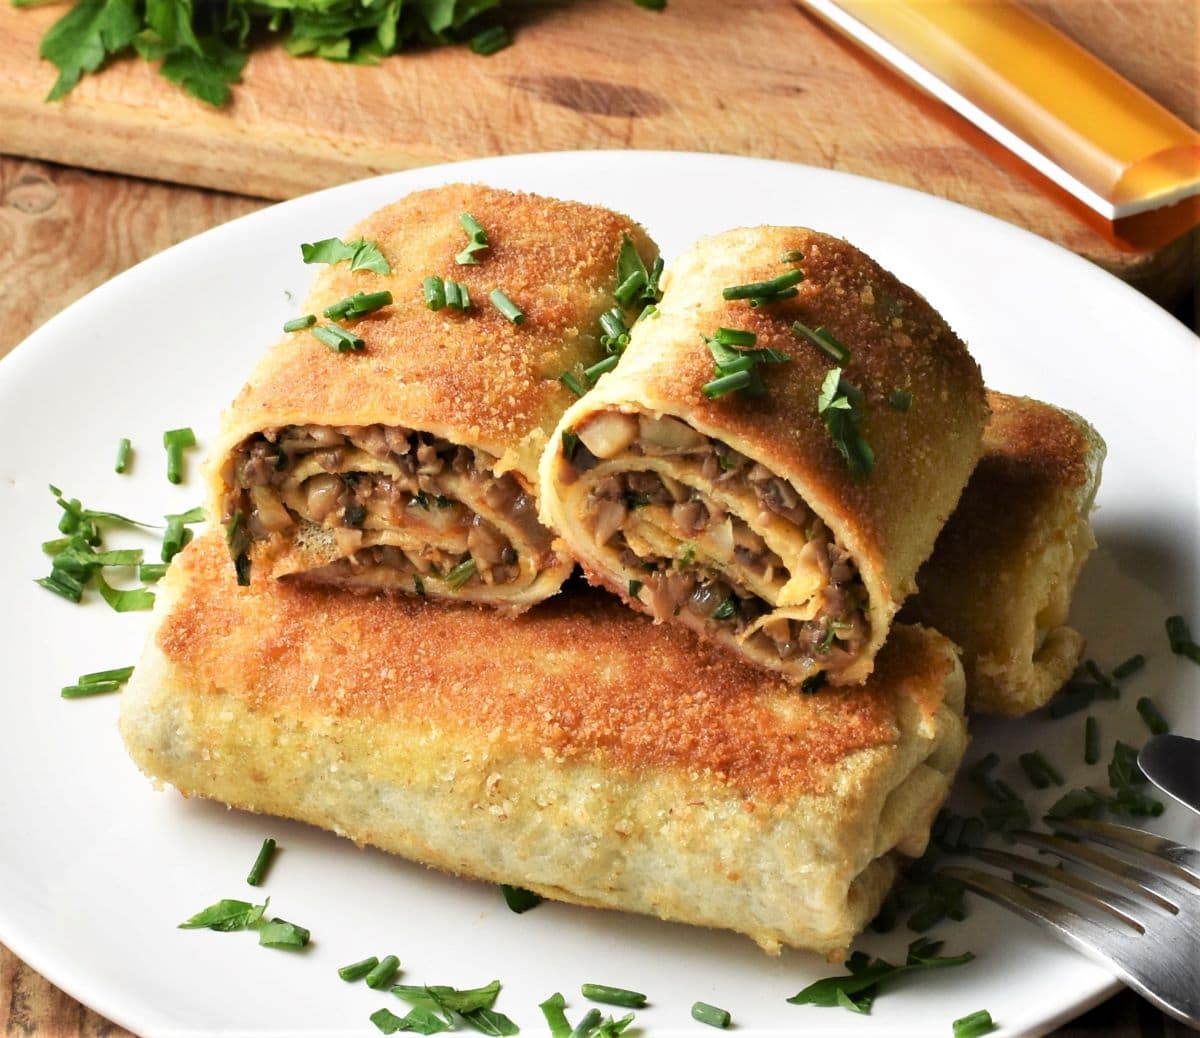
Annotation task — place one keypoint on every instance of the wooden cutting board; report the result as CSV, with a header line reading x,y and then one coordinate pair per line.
x,y
758,78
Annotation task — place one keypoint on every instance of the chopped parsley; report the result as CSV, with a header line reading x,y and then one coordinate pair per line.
x,y
362,254
840,406
858,989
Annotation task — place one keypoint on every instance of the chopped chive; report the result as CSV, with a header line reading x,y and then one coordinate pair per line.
x,y
726,384
453,297
572,383
299,324
824,340
635,586
69,589
973,1025
56,546
490,40
435,292
611,996
1182,643
506,306
900,399
457,578
337,338
358,970
587,1024
382,973
766,291
151,572
418,585
175,440
600,368
519,899
1070,701
119,674
473,228
259,869
787,293
735,337
1091,740
570,443
175,538
1129,667
89,688
714,1016
357,305
1038,770
1150,714
124,447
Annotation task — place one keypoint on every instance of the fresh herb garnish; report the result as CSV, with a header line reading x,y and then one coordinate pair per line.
x,y
714,1016
175,441
478,236
473,1005
358,305
1039,771
1129,667
358,970
298,324
760,293
973,1025
1180,638
840,406
519,899
488,1021
338,338
866,977
726,610
418,1021
1150,714
130,601
572,383
824,340
226,916
570,443
900,399
635,284
490,40
1091,740
175,538
506,306
613,996
735,369
259,869
635,586
593,373
553,1009
279,933
97,683
237,538
362,254
381,974
457,578
124,447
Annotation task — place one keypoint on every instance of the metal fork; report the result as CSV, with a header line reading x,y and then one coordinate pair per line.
x,y
1139,914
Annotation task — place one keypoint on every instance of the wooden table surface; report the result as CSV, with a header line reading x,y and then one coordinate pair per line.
x,y
63,231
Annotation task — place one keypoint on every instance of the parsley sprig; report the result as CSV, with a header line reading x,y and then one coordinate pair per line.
x,y
858,989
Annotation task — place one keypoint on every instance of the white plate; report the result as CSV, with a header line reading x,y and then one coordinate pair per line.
x,y
96,868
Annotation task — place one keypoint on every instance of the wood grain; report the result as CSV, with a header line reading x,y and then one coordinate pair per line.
x,y
757,78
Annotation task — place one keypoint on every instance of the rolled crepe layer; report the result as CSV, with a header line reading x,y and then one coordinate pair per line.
x,y
1000,579
740,516
411,464
579,750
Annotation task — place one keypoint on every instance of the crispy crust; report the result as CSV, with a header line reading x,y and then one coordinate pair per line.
x,y
587,754
923,457
473,378
1000,579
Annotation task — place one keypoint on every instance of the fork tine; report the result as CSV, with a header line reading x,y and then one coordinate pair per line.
x,y
1180,861
1153,885
1123,908
1080,931
1161,968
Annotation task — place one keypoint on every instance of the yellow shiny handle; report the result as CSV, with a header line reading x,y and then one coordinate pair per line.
x,y
1044,89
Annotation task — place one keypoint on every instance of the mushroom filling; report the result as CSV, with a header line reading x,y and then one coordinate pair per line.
x,y
685,550
398,502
